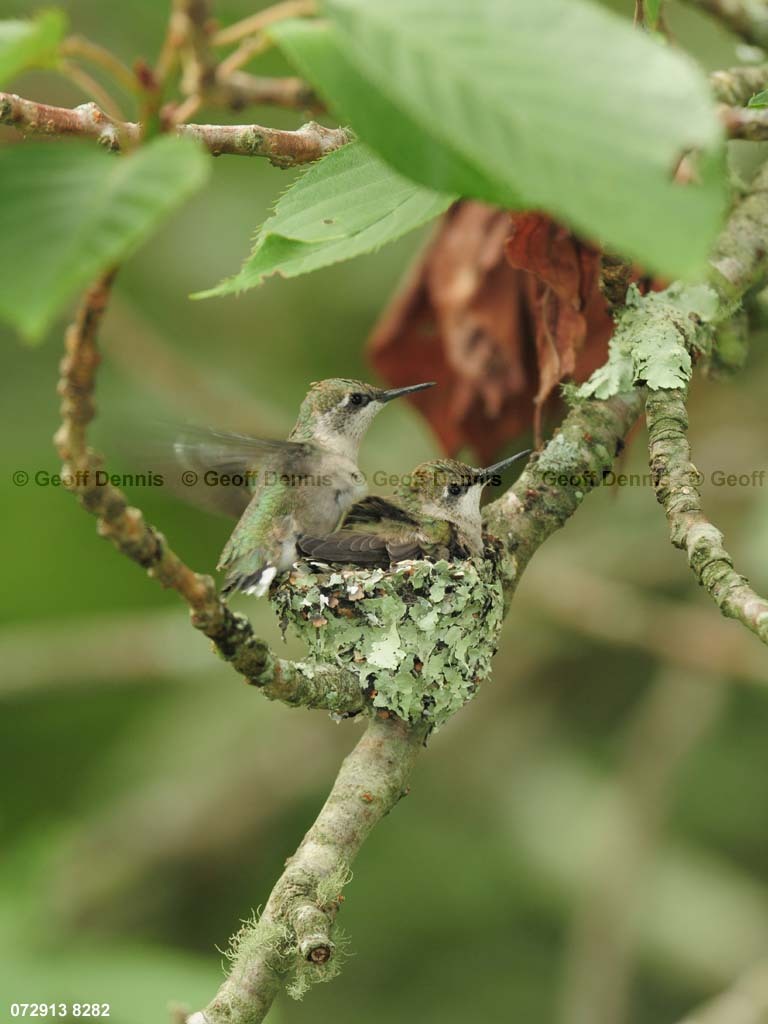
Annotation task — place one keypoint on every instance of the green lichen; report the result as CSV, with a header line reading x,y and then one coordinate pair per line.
x,y
653,340
419,637
256,938
561,456
259,939
329,887
303,974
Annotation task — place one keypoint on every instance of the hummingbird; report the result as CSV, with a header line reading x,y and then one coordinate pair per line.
x,y
284,489
435,514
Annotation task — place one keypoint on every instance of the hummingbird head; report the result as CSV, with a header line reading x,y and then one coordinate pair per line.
x,y
451,490
337,412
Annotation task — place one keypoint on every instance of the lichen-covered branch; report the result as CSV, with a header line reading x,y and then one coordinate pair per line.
x,y
750,123
281,148
293,683
740,258
555,482
745,18
735,86
740,261
292,943
676,482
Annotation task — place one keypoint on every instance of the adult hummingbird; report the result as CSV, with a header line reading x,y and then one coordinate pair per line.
x,y
436,514
284,489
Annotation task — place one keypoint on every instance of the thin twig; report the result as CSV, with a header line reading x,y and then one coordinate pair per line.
x,y
281,148
95,90
79,46
247,50
241,89
263,19
197,62
290,682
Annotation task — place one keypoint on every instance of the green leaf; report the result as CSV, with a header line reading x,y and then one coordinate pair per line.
x,y
760,99
347,204
534,104
30,44
317,53
69,211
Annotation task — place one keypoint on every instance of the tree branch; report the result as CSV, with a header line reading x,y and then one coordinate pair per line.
x,y
736,85
197,61
292,941
749,123
293,683
281,148
240,89
554,483
676,482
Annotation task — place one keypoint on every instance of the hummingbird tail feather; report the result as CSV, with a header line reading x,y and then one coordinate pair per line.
x,y
255,584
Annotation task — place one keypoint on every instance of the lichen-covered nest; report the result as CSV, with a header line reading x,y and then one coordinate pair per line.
x,y
419,636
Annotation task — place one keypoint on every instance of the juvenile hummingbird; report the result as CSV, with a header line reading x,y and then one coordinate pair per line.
x,y
284,489
436,514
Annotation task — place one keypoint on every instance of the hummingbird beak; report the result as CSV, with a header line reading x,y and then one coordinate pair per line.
x,y
484,476
387,396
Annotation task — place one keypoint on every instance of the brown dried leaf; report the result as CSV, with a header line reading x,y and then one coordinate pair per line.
x,y
498,312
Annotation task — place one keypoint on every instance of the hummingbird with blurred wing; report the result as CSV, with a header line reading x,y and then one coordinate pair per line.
x,y
282,490
436,514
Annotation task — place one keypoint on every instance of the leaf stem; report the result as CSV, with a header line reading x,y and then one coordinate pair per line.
x,y
256,23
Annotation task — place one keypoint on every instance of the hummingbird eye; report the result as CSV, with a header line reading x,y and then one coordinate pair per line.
x,y
455,489
359,399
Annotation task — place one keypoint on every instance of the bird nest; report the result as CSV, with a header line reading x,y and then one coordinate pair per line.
x,y
419,636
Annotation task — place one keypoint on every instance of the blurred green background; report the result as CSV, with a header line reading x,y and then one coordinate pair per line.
x,y
587,843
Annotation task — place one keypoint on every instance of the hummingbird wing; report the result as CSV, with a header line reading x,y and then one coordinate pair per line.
x,y
375,509
354,548
219,471
376,531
